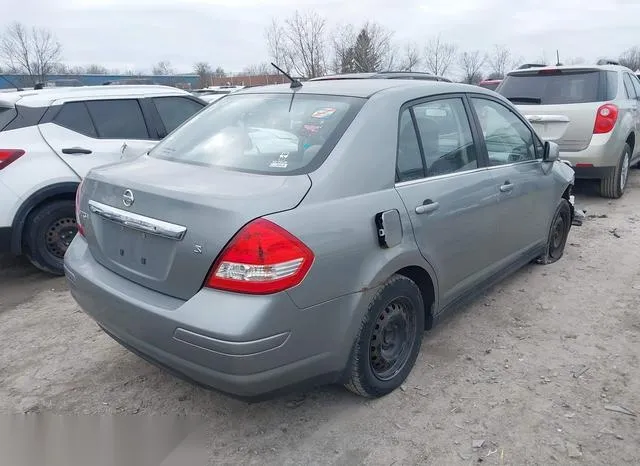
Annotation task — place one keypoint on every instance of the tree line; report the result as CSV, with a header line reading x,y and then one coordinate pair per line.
x,y
304,45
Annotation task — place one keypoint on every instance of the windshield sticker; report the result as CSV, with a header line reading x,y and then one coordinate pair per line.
x,y
280,163
312,128
323,113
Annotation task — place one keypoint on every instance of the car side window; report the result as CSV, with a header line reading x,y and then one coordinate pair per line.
x,y
118,119
628,85
507,137
636,84
175,110
410,165
445,135
75,116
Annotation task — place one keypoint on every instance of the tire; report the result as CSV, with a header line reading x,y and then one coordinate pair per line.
x,y
49,231
399,301
613,186
558,234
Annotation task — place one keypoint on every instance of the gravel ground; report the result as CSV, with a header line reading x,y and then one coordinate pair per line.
x,y
528,374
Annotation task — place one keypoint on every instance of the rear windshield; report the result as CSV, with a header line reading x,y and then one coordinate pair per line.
x,y
558,87
7,114
279,134
492,86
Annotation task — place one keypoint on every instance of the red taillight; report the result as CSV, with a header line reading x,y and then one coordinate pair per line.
x,y
262,258
606,118
8,156
79,218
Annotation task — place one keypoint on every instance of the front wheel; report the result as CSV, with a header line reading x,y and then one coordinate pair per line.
x,y
49,232
389,339
558,234
614,184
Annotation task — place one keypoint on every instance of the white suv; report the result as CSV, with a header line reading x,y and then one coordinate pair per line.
x,y
51,138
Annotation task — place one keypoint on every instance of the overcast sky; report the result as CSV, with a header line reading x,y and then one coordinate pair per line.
x,y
135,34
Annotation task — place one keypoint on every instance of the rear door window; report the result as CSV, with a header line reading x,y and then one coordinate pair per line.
x,y
118,119
279,134
75,116
7,114
628,86
549,87
175,110
636,84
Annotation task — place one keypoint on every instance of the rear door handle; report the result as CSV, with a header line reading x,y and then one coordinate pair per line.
x,y
506,188
76,150
427,206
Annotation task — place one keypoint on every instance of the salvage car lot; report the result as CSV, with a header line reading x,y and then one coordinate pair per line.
x,y
530,372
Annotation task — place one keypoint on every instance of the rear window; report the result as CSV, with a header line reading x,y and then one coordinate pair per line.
x,y
7,114
278,134
559,87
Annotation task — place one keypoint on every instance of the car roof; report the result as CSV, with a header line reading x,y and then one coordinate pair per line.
x,y
383,75
364,88
534,70
44,97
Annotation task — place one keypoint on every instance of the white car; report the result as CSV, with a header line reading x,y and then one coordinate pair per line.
x,y
51,138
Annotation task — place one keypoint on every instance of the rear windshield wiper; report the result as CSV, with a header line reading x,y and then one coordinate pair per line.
x,y
531,100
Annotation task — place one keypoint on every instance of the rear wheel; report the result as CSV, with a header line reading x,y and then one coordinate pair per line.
x,y
558,234
614,184
389,339
49,232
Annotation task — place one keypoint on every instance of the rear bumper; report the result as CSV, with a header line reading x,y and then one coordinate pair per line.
x,y
597,160
247,346
5,239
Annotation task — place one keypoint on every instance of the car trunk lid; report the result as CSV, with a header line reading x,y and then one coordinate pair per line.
x,y
568,125
162,224
561,103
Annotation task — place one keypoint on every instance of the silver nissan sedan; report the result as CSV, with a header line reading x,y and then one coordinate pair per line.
x,y
309,234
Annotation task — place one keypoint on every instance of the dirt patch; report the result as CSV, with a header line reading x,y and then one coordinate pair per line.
x,y
526,375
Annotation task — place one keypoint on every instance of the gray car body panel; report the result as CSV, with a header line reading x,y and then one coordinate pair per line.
x,y
250,345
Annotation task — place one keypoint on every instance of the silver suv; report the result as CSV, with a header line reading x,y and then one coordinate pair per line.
x,y
591,112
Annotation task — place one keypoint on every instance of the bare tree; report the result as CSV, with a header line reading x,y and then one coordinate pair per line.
x,y
277,44
499,61
300,44
33,52
96,69
261,69
411,59
631,58
219,73
162,68
204,72
471,64
439,56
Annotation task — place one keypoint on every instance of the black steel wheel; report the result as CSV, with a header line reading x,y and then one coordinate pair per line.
x,y
388,342
558,234
393,333
48,233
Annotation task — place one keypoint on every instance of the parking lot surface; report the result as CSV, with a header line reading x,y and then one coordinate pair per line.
x,y
543,369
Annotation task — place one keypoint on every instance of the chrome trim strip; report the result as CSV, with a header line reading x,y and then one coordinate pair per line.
x,y
138,222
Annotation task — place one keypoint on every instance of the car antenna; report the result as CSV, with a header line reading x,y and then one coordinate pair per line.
x,y
294,82
558,58
7,80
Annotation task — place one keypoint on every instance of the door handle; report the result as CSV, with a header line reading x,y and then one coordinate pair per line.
x,y
76,150
427,206
506,187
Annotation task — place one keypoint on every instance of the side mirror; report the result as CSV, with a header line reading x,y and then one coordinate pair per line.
x,y
551,152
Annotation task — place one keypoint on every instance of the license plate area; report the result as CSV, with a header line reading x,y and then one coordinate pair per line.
x,y
137,251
